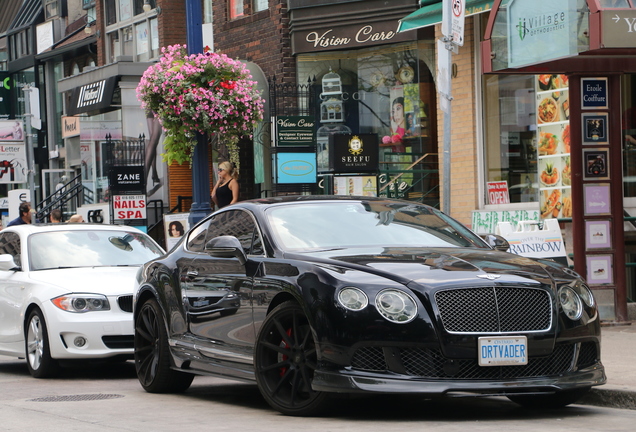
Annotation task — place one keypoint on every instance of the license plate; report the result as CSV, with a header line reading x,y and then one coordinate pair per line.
x,y
503,351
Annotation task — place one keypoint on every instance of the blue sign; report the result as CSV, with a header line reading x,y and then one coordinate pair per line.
x,y
294,168
594,93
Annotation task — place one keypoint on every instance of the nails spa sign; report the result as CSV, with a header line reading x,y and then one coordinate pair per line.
x,y
348,37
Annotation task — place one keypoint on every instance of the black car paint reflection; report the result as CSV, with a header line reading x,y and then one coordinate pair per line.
x,y
253,293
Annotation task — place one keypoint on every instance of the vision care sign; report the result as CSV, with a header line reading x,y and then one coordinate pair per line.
x,y
128,207
295,130
355,153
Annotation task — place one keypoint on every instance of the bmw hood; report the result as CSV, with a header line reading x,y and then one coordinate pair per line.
x,y
445,266
98,280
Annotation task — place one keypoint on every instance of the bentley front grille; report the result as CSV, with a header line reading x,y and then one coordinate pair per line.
x,y
494,309
431,363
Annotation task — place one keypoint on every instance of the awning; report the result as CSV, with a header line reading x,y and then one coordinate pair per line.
x,y
431,14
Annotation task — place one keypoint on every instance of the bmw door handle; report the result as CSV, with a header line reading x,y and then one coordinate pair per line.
x,y
192,274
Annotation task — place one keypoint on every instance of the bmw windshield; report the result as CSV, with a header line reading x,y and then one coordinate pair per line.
x,y
90,248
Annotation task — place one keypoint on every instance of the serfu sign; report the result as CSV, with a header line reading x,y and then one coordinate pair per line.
x,y
126,207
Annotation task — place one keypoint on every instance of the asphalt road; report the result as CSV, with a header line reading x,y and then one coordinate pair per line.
x,y
107,397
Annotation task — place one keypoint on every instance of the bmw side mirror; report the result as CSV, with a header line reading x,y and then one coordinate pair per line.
x,y
7,263
226,247
497,242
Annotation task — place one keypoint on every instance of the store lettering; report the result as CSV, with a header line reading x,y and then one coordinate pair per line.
x,y
301,123
364,35
630,24
326,41
373,37
356,159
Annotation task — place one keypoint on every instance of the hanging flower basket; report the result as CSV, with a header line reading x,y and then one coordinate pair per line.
x,y
208,93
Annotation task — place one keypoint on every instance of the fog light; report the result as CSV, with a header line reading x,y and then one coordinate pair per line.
x,y
80,341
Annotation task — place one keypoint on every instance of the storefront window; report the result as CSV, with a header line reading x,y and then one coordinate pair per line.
x,y
387,91
510,129
628,86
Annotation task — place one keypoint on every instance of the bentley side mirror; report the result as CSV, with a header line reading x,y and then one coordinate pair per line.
x,y
496,242
226,247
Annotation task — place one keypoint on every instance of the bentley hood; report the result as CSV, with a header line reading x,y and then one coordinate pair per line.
x,y
435,267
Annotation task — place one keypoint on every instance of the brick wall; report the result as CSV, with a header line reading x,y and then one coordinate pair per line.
x,y
463,143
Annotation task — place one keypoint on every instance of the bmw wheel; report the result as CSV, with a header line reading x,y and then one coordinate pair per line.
x,y
285,361
152,353
38,351
555,400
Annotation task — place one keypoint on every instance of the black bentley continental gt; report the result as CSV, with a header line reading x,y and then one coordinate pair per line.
x,y
313,296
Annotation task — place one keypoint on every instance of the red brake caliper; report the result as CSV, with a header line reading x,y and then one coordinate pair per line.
x,y
283,357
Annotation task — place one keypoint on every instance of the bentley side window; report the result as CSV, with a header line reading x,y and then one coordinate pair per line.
x,y
196,239
239,224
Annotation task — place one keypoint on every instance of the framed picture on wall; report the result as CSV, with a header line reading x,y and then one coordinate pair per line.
x,y
597,234
597,199
596,164
599,269
594,128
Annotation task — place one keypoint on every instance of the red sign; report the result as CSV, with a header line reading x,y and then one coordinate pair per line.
x,y
129,207
498,192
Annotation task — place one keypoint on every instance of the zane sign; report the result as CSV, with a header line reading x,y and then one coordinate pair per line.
x,y
126,207
129,179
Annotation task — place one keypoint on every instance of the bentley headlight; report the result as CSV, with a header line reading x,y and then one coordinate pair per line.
x,y
396,306
586,294
570,303
81,303
353,298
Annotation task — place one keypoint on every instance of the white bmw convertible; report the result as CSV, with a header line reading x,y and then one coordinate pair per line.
x,y
66,292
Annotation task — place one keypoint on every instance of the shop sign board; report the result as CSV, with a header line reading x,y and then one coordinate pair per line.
x,y
5,94
541,30
594,93
295,167
93,97
348,37
127,207
13,165
295,130
498,192
127,179
355,153
70,126
618,28
531,240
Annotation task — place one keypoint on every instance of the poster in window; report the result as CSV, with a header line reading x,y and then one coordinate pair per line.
x,y
142,37
595,164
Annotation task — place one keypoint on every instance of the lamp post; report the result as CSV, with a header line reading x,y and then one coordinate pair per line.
x,y
200,167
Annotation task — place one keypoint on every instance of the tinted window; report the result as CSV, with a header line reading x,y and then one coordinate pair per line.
x,y
239,224
196,238
10,244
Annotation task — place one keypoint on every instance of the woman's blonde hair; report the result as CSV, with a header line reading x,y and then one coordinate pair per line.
x,y
229,167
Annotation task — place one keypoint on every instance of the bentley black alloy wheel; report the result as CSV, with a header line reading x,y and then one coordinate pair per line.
x,y
285,360
152,355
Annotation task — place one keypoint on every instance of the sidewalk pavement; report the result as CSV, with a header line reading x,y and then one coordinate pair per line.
x,y
618,354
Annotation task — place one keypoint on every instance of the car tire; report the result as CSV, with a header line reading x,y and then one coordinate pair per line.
x,y
554,400
285,359
152,353
36,344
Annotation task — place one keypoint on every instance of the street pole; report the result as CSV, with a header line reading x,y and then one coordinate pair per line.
x,y
200,167
29,148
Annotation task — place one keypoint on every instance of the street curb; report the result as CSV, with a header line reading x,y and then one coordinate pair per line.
x,y
610,398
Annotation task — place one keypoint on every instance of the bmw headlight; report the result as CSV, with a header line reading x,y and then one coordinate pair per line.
x,y
81,303
396,306
570,303
353,298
